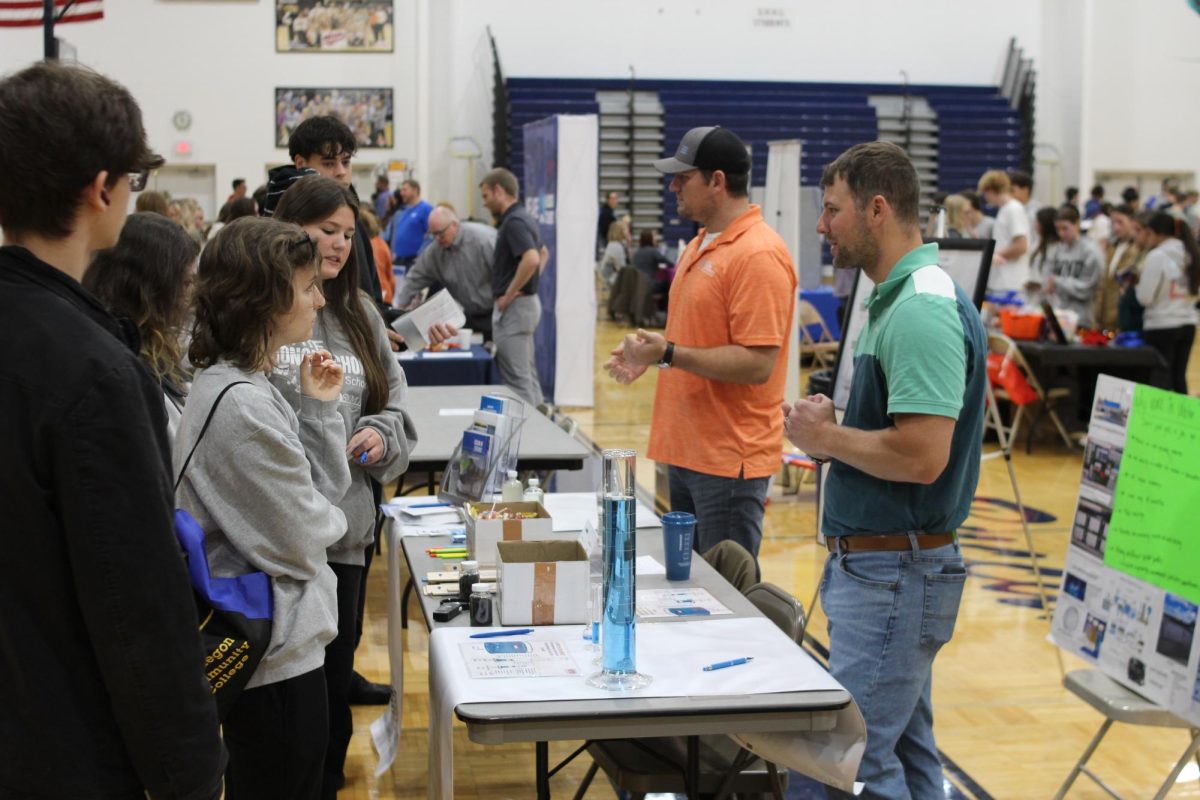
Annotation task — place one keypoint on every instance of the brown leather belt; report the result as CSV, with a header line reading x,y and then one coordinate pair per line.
x,y
888,542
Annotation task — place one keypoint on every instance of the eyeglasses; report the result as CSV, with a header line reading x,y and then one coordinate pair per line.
x,y
138,180
438,234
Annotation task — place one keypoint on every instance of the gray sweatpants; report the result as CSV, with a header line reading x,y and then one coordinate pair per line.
x,y
512,333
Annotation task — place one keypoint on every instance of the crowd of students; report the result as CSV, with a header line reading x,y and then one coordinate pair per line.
x,y
260,353
1115,268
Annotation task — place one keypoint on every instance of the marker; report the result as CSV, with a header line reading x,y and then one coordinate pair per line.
x,y
723,664
362,459
494,634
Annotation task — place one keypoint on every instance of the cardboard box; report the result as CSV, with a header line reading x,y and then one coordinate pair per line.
x,y
483,534
542,583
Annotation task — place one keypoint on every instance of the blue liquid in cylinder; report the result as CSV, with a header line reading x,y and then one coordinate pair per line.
x,y
620,585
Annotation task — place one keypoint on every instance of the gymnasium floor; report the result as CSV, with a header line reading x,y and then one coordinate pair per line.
x,y
1005,724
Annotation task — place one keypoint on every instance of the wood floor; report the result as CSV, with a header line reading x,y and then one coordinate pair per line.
x,y
1002,715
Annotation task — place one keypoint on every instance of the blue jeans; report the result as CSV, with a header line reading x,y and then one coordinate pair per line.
x,y
889,614
725,508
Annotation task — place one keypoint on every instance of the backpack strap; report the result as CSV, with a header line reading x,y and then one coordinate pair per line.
x,y
204,429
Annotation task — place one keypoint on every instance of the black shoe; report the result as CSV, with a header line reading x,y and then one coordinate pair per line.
x,y
365,693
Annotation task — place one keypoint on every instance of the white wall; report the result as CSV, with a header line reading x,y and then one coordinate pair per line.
x,y
1116,91
1144,81
218,61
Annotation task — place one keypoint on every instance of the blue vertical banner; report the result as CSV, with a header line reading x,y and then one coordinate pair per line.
x,y
539,195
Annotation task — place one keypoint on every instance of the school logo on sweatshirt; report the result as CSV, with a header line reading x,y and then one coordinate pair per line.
x,y
354,384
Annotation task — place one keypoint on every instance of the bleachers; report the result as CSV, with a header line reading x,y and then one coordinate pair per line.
x,y
978,129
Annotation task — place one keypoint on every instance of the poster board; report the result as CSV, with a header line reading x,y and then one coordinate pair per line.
x,y
1130,587
967,261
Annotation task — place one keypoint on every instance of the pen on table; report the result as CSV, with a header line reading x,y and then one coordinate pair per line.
x,y
433,551
449,555
494,634
723,664
428,505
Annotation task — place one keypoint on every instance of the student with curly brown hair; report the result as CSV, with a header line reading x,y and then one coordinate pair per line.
x,y
264,483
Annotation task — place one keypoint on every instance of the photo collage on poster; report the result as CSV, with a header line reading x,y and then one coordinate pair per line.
x,y
1136,632
366,112
334,26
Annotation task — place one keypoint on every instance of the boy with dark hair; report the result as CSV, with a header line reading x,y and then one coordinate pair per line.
x,y
325,146
101,666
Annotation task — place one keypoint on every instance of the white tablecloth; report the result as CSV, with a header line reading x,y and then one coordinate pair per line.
x,y
673,654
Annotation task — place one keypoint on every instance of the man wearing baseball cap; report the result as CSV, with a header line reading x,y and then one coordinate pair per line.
x,y
723,361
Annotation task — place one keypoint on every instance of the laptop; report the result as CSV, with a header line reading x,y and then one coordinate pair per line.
x,y
1055,329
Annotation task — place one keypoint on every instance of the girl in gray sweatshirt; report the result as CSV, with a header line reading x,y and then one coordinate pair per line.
x,y
380,435
263,484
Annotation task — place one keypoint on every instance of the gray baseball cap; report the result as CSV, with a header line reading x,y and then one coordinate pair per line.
x,y
708,148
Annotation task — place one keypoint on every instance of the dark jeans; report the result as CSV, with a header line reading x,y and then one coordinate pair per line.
x,y
339,669
276,737
1175,346
725,508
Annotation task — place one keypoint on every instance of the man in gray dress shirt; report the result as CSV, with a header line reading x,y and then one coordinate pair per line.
x,y
462,262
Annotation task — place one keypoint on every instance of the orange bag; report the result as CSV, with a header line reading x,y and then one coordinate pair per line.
x,y
1002,372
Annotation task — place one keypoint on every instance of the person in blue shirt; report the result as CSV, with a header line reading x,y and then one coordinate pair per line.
x,y
406,231
903,466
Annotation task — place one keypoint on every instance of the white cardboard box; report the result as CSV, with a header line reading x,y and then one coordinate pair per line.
x,y
542,583
483,534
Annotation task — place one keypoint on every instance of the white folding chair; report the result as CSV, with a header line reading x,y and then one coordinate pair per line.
x,y
1118,704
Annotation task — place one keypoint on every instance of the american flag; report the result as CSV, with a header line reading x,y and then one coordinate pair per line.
x,y
28,13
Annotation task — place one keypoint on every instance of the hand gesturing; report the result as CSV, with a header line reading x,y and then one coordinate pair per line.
x,y
321,376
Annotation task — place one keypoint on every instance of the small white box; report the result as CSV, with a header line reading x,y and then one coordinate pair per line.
x,y
483,534
542,583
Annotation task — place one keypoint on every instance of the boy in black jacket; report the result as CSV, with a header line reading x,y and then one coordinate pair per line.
x,y
101,668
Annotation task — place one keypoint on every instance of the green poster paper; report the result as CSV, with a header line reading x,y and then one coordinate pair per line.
x,y
1154,533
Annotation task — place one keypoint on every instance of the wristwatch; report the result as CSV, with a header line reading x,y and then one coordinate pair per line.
x,y
667,356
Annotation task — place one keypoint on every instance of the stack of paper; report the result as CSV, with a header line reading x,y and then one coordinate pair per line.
x,y
424,516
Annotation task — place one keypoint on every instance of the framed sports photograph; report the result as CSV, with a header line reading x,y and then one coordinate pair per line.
x,y
334,26
367,112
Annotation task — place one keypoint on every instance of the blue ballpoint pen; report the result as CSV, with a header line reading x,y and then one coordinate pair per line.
x,y
724,664
429,505
493,634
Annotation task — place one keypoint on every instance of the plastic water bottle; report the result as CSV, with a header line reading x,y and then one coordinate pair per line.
x,y
510,492
534,493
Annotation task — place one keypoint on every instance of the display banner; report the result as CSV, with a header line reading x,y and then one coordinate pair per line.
x,y
539,194
1130,589
561,188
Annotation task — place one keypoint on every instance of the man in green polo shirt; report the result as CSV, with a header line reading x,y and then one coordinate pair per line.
x,y
903,467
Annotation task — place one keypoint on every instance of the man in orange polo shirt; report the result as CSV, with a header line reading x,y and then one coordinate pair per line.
x,y
723,360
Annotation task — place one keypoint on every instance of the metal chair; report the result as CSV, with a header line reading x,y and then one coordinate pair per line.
x,y
1007,349
644,766
824,348
1119,704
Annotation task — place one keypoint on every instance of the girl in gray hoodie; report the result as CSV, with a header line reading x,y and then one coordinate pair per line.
x,y
1167,288
263,484
380,435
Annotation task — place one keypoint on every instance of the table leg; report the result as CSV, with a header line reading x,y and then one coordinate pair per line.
x,y
692,780
543,769
408,587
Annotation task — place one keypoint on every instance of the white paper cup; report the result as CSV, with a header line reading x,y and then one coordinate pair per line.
x,y
464,338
